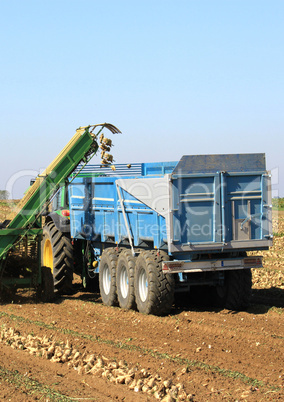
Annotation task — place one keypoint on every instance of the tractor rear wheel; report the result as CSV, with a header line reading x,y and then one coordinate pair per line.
x,y
45,292
57,254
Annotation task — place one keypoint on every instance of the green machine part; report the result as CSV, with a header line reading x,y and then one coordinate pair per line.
x,y
27,221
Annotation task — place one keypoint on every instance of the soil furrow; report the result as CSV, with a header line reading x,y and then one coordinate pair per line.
x,y
148,342
136,348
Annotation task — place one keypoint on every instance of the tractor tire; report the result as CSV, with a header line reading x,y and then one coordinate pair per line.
x,y
154,291
107,276
236,292
57,254
45,292
125,280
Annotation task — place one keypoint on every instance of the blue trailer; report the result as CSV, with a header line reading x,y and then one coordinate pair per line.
x,y
149,231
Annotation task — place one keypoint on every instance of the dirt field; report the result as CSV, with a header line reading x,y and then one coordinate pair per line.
x,y
77,349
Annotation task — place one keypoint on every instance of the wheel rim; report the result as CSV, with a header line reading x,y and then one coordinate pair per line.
x,y
124,282
106,279
143,285
48,255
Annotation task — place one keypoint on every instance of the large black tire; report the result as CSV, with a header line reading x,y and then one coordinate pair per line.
x,y
107,276
125,280
236,292
45,292
154,290
57,254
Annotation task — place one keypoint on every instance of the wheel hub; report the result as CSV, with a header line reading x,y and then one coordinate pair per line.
x,y
143,286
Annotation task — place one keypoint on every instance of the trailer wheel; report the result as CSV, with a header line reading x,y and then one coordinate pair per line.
x,y
236,293
57,254
154,291
107,276
125,280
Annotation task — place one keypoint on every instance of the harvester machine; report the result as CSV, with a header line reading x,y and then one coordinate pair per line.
x,y
20,236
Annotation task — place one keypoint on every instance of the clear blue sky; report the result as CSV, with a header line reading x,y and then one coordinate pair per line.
x,y
177,77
